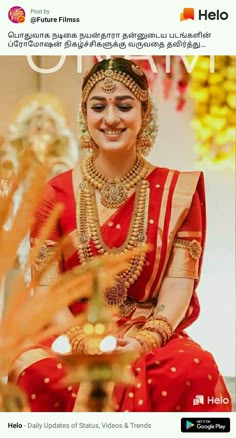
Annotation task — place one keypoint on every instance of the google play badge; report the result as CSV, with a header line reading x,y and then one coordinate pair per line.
x,y
189,424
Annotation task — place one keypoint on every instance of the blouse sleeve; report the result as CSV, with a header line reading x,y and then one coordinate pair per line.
x,y
187,245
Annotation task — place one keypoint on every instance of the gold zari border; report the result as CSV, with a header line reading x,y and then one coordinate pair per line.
x,y
25,360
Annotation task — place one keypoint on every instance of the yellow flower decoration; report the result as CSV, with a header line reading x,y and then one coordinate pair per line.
x,y
214,94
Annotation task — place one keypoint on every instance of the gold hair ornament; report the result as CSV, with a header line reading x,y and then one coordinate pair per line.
x,y
109,76
109,84
137,70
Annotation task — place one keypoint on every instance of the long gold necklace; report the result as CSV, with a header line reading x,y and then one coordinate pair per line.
x,y
113,191
88,228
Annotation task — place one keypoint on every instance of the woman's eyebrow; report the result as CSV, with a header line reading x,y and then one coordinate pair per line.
x,y
103,99
124,97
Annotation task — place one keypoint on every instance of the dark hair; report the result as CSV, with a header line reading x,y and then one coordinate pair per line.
x,y
122,65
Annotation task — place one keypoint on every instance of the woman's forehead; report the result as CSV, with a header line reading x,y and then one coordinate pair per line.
x,y
120,90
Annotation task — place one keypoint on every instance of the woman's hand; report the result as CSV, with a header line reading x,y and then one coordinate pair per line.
x,y
129,344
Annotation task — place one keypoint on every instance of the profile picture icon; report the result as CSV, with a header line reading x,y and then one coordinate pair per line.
x,y
16,14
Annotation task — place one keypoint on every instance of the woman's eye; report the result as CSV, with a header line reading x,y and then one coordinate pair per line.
x,y
98,108
125,107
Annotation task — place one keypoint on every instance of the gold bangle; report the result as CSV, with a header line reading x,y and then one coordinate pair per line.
x,y
75,343
82,346
159,324
76,340
165,319
76,335
160,327
147,339
72,332
162,333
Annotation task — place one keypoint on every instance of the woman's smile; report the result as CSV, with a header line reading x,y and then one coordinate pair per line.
x,y
113,133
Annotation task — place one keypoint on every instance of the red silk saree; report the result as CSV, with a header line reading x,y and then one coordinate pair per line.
x,y
167,378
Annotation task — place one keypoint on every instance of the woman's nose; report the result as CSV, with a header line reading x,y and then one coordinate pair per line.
x,y
111,117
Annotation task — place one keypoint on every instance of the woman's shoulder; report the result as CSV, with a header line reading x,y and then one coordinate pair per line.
x,y
58,187
176,180
164,172
61,180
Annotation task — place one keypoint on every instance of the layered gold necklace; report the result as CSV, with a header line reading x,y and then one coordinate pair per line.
x,y
114,191
88,228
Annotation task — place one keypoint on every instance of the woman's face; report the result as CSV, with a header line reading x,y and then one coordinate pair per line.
x,y
113,119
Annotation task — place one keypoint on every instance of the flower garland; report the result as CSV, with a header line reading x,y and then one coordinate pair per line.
x,y
215,104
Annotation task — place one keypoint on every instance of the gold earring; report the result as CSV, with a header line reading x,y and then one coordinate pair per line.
x,y
144,140
149,129
86,141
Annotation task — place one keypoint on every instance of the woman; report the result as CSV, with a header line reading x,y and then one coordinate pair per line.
x,y
115,201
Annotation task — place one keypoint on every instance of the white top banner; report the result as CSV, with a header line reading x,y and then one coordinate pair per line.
x,y
103,27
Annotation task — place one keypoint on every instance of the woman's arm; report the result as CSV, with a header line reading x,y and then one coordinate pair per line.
x,y
173,301
174,298
177,286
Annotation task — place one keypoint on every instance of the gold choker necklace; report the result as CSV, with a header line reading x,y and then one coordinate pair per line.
x,y
114,191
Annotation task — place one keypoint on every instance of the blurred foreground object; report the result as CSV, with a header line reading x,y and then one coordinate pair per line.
x,y
100,366
6,170
12,399
27,318
40,125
